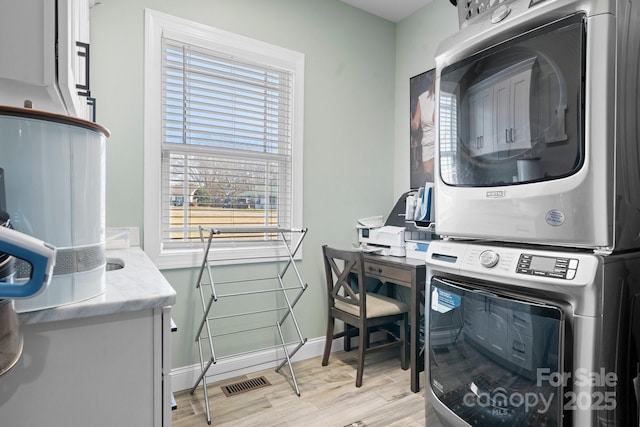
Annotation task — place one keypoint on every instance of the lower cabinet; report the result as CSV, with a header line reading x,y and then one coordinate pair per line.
x,y
99,371
506,335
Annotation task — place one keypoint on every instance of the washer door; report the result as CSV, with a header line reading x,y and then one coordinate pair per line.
x,y
494,360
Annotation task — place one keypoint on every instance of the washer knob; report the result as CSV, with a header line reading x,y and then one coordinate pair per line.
x,y
489,258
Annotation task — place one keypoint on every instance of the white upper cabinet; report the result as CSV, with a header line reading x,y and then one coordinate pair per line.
x,y
73,56
483,126
481,105
30,68
499,111
512,112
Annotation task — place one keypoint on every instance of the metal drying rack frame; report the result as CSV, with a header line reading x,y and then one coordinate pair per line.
x,y
204,333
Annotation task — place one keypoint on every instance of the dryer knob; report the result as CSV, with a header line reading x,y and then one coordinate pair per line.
x,y
500,13
489,258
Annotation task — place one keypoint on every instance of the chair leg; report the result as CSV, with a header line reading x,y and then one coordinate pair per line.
x,y
362,347
328,341
404,362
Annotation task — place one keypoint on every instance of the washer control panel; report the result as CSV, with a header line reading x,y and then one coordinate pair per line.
x,y
556,267
510,263
489,258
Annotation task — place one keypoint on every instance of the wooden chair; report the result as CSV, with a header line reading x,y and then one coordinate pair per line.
x,y
361,309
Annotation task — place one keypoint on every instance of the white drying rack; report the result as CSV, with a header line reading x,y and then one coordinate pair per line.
x,y
290,295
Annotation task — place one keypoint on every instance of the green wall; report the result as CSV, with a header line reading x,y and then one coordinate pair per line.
x,y
356,144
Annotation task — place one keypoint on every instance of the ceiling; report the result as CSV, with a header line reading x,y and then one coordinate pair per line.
x,y
391,10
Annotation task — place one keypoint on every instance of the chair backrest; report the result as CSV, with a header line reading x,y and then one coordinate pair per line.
x,y
343,270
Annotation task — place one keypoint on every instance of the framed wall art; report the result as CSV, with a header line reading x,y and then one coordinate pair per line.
x,y
422,127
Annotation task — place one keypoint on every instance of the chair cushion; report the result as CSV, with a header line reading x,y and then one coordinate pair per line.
x,y
377,306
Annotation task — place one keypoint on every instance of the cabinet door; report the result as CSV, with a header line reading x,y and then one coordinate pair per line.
x,y
99,371
30,56
475,320
475,124
504,115
520,89
72,64
498,329
481,122
27,67
520,350
513,129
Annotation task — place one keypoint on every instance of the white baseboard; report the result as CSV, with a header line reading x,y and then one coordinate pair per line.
x,y
184,378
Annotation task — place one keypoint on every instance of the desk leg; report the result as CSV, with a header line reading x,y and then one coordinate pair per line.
x,y
415,338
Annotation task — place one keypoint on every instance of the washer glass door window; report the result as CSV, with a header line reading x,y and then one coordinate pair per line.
x,y
494,360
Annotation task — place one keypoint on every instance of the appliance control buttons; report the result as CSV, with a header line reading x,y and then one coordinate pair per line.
x,y
489,258
500,13
545,266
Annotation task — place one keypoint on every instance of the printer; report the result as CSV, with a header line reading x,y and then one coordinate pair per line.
x,y
384,239
397,233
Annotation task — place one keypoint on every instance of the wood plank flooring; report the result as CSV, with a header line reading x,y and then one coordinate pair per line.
x,y
328,397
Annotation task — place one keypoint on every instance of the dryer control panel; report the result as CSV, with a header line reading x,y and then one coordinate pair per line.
x,y
495,10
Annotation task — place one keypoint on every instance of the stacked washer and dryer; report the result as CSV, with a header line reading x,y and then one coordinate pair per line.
x,y
533,296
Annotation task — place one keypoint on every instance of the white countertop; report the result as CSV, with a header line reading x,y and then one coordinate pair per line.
x,y
137,286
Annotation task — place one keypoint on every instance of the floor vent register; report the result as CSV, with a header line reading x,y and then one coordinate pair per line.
x,y
244,386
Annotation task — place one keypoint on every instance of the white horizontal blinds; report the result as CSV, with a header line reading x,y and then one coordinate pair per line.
x,y
226,157
447,135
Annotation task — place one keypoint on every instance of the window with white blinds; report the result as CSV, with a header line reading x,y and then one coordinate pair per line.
x,y
228,141
448,137
226,149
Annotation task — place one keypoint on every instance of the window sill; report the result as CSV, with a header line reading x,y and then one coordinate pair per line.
x,y
190,258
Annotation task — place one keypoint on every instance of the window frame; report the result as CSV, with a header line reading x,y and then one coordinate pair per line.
x,y
158,24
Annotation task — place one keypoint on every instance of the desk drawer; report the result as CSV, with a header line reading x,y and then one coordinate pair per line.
x,y
388,273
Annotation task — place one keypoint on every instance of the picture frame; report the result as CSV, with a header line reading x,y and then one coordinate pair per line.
x,y
422,128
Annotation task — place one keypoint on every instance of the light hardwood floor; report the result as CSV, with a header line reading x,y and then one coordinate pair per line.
x,y
328,397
